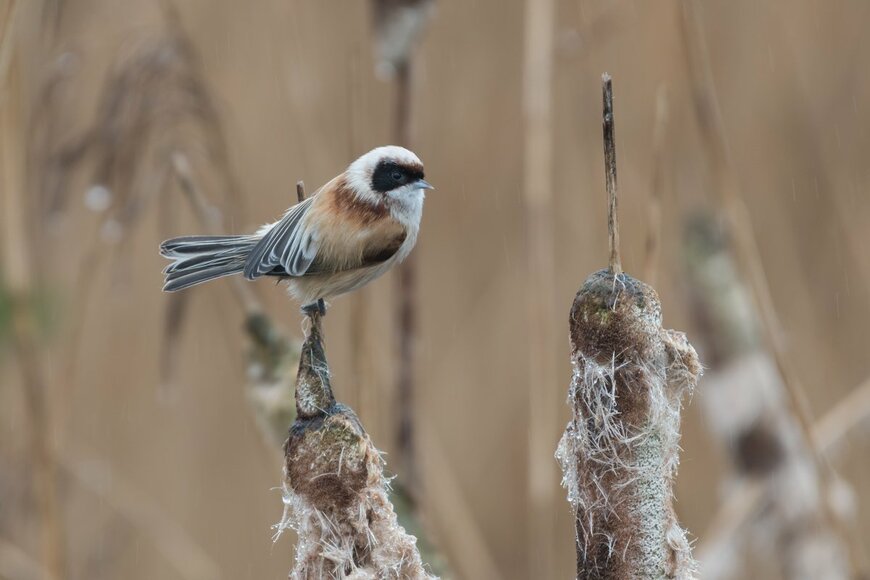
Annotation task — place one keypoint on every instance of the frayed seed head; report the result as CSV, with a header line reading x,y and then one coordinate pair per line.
x,y
620,451
614,316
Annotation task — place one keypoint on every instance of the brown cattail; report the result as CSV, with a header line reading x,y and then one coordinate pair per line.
x,y
335,491
620,451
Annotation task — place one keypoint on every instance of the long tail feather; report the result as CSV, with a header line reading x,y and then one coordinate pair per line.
x,y
204,244
198,259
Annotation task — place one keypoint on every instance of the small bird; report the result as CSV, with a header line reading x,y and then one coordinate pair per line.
x,y
352,230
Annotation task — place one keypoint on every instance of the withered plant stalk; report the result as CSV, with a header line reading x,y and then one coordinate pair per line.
x,y
654,231
335,492
271,355
538,189
608,127
748,257
620,451
406,314
759,432
20,277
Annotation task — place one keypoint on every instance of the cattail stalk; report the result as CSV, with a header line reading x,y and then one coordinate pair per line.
x,y
615,262
540,17
748,259
620,451
759,432
654,232
406,313
18,274
271,355
143,514
335,491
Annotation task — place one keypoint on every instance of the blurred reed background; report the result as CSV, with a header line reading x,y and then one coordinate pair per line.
x,y
141,432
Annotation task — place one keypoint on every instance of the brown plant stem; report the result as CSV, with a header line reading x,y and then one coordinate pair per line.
x,y
144,515
271,353
408,486
654,227
211,220
16,564
361,350
760,434
18,275
462,535
540,275
335,490
620,450
406,314
746,250
615,261
7,37
744,502
850,412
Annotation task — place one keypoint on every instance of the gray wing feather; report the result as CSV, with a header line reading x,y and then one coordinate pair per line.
x,y
289,244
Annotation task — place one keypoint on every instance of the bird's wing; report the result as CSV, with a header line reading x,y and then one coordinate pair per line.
x,y
290,244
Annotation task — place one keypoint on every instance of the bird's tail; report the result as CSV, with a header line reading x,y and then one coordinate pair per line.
x,y
198,259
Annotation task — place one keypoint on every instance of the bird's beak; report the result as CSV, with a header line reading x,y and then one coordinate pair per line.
x,y
423,184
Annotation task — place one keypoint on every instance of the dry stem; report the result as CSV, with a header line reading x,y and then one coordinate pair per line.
x,y
538,188
744,502
271,355
619,453
746,249
615,262
843,417
211,220
759,432
335,492
18,275
406,315
6,42
654,232
17,564
144,515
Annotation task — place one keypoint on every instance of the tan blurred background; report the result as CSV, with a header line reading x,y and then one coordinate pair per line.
x,y
295,92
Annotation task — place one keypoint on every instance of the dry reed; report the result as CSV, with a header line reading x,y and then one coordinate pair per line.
x,y
271,356
540,274
143,514
21,277
620,451
748,259
654,232
759,433
155,102
399,26
335,492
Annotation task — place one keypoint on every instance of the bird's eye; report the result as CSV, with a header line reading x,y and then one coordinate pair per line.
x,y
396,176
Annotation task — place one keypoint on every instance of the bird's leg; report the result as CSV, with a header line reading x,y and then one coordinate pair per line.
x,y
318,307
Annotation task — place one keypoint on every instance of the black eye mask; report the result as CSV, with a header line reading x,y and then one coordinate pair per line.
x,y
389,175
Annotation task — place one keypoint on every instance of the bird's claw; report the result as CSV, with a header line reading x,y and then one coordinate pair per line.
x,y
318,308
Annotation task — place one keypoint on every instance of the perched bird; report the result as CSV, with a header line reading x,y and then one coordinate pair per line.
x,y
352,230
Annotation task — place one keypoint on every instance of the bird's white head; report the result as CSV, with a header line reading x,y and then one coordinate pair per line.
x,y
388,174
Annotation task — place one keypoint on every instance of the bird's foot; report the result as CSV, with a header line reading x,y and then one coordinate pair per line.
x,y
315,308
